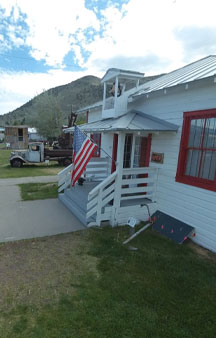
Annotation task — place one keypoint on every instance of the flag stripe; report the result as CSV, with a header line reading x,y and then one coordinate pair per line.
x,y
80,152
80,163
79,167
83,151
84,165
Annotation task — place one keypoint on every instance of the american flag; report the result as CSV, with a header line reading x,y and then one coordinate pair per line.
x,y
83,150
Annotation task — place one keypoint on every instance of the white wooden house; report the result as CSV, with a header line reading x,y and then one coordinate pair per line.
x,y
162,137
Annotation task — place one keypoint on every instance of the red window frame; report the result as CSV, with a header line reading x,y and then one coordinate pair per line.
x,y
184,147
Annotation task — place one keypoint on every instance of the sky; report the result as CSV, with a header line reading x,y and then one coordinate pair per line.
x,y
47,43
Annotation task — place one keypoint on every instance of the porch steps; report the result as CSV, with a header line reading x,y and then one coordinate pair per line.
x,y
75,199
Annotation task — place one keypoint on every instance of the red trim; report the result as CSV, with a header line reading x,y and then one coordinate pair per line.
x,y
114,152
148,151
96,138
182,160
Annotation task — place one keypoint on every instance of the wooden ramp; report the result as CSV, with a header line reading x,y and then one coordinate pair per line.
x,y
171,227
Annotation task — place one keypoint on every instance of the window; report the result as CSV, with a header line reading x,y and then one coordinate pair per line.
x,y
197,156
127,150
20,134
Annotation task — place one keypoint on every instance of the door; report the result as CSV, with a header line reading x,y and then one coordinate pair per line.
x,y
142,155
34,153
142,149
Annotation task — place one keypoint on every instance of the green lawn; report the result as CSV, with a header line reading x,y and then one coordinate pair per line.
x,y
38,191
27,170
87,284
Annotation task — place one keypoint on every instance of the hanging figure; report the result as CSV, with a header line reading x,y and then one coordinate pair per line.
x,y
113,90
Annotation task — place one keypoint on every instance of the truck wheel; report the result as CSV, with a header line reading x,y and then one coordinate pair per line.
x,y
66,162
16,163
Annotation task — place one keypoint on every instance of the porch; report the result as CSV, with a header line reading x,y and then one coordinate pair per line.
x,y
112,199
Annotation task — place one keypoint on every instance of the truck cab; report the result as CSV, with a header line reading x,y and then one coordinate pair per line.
x,y
35,152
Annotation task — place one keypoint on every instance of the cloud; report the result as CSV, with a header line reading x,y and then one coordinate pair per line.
x,y
50,25
148,36
197,40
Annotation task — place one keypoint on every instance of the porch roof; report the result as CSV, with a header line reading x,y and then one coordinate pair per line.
x,y
132,121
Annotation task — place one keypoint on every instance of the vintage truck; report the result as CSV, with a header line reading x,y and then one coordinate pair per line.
x,y
37,153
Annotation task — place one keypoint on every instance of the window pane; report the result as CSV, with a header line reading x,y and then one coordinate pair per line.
x,y
193,162
210,133
196,132
137,152
208,167
127,151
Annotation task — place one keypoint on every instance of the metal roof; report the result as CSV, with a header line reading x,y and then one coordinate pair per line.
x,y
95,105
122,73
132,121
197,70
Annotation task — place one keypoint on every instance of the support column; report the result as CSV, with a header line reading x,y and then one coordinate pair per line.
x,y
104,96
119,169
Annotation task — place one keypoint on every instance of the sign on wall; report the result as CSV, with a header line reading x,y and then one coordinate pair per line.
x,y
157,157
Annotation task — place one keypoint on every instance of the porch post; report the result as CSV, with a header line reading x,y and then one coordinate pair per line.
x,y
104,96
119,169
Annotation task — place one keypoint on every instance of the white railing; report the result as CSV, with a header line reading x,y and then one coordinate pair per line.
x,y
109,103
97,169
64,178
121,105
135,184
139,183
100,196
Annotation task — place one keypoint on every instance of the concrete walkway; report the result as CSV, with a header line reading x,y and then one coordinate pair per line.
x,y
29,219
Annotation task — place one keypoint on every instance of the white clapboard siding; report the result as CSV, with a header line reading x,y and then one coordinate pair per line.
x,y
190,204
140,213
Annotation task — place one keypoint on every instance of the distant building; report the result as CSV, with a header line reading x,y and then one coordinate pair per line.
x,y
2,131
33,136
16,137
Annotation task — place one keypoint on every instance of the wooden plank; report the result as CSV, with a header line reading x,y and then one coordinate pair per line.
x,y
137,171
91,212
107,181
108,190
64,179
92,203
137,181
64,186
136,197
65,171
136,190
107,199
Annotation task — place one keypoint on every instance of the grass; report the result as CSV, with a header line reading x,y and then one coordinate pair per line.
x,y
38,191
88,284
6,171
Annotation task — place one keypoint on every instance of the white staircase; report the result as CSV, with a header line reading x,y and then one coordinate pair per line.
x,y
114,199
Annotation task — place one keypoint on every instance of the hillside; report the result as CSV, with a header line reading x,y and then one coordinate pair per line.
x,y
79,93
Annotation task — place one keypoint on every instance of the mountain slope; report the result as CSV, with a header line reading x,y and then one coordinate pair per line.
x,y
77,94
